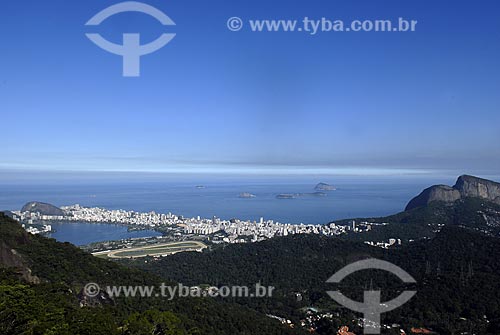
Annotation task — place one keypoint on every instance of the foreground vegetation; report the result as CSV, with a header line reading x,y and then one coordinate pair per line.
x,y
457,269
457,272
41,284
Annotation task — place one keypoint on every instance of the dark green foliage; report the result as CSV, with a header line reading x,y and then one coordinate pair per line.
x,y
457,273
423,221
53,305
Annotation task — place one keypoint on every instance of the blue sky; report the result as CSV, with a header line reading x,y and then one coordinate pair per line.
x,y
216,100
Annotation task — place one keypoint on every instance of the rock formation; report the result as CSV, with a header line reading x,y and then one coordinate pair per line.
x,y
466,186
42,208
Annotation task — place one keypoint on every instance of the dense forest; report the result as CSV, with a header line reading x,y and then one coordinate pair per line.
x,y
423,222
41,284
457,272
454,259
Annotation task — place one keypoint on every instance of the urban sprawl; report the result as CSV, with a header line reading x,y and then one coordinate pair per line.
x,y
215,229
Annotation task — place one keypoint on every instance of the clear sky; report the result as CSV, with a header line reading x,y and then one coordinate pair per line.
x,y
217,100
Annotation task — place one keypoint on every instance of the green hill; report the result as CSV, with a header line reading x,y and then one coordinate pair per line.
x,y
423,222
451,248
457,272
41,283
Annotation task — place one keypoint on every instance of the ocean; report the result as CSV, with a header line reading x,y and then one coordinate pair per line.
x,y
355,196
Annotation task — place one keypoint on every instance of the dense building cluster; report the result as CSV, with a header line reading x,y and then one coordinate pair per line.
x,y
215,229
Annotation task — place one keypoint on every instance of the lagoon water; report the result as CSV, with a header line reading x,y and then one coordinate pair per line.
x,y
79,233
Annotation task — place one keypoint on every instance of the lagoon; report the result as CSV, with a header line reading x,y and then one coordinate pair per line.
x,y
82,233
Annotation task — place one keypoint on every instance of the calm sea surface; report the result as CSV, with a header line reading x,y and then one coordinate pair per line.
x,y
354,197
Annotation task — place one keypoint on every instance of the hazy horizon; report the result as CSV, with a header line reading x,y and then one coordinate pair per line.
x,y
215,100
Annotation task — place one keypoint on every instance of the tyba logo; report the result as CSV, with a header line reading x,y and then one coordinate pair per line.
x,y
131,50
371,307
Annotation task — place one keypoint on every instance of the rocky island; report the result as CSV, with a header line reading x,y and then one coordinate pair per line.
x,y
300,195
287,196
324,187
246,195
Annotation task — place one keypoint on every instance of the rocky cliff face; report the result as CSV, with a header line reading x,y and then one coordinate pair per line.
x,y
466,186
470,186
9,257
434,193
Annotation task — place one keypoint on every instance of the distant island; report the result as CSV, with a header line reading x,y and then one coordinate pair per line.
x,y
325,187
300,195
246,195
287,196
314,194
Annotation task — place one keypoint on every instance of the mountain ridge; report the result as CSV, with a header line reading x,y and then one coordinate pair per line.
x,y
465,186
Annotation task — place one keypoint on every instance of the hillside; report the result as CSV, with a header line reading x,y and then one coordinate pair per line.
x,y
42,208
451,248
465,187
453,256
458,275
41,284
423,222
